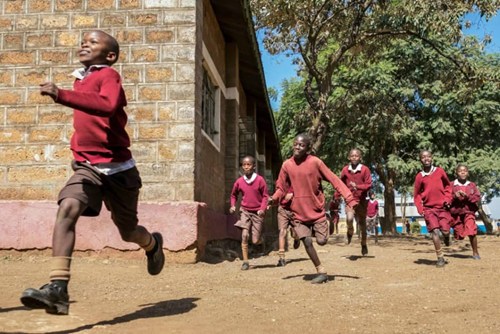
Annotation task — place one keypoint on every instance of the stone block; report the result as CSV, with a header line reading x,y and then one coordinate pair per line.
x,y
129,36
6,77
36,174
185,72
55,22
162,73
69,5
181,92
67,38
84,21
129,4
39,40
181,130
148,54
17,58
141,112
152,132
46,134
167,152
113,20
101,4
27,22
10,96
31,76
39,6
13,41
10,135
133,74
166,111
14,6
152,93
165,35
143,19
160,3
186,34
17,116
185,111
178,53
179,17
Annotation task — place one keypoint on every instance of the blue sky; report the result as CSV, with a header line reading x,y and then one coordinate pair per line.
x,y
279,68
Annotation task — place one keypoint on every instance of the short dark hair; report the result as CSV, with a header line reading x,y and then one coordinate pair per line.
x,y
247,157
461,165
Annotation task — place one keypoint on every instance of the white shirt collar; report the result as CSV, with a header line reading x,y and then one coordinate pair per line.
x,y
355,170
81,73
250,179
458,183
433,168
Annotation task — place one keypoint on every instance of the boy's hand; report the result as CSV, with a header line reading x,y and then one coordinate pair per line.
x,y
261,213
288,197
50,89
232,209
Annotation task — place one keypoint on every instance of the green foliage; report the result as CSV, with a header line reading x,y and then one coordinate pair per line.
x,y
391,78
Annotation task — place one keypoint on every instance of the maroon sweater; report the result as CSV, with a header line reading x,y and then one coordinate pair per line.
x,y
363,180
465,204
308,204
432,191
254,195
98,117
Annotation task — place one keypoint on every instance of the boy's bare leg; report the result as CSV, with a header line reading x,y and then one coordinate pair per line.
x,y
313,255
437,246
473,243
244,248
281,247
349,217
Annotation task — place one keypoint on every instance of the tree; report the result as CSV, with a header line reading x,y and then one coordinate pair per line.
x,y
327,34
389,96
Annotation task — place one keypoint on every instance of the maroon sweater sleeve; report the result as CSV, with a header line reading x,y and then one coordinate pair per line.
x,y
367,179
103,100
417,198
234,193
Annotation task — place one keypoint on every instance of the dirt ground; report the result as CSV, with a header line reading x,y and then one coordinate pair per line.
x,y
395,289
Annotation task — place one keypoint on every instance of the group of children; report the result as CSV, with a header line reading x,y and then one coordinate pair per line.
x,y
104,171
301,203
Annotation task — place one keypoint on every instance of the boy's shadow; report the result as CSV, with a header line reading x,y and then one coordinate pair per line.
x,y
426,262
264,266
459,256
156,310
15,308
310,277
357,257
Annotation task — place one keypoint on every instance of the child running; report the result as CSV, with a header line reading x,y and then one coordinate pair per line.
x,y
432,197
334,207
358,179
285,219
465,203
104,170
254,198
372,216
305,173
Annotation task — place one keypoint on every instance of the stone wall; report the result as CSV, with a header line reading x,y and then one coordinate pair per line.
x,y
38,43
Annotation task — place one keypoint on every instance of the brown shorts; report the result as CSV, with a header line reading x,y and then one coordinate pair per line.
x,y
119,192
285,218
437,219
359,210
318,230
251,221
372,222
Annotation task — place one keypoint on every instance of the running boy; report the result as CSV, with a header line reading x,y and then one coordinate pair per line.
x,y
305,173
285,219
432,197
358,179
465,203
372,216
104,170
253,189
334,207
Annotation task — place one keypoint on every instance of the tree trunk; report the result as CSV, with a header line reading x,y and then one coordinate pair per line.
x,y
389,208
485,219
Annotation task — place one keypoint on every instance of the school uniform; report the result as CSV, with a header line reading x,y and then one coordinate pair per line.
x,y
308,203
254,198
430,193
362,177
463,209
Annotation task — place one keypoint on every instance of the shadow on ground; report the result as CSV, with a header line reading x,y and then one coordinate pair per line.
x,y
155,310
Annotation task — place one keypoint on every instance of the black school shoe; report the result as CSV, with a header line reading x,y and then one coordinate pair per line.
x,y
281,262
364,250
51,297
156,259
321,278
441,262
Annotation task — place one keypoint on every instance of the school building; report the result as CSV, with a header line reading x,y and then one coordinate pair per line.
x,y
197,102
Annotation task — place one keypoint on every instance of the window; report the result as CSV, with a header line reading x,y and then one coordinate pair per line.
x,y
209,108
